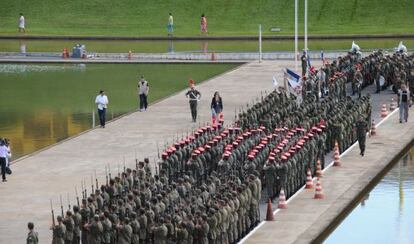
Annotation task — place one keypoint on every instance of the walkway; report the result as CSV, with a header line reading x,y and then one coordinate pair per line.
x,y
55,171
306,218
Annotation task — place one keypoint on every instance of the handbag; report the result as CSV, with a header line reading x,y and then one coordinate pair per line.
x,y
8,171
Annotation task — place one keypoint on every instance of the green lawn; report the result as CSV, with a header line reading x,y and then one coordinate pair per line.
x,y
225,17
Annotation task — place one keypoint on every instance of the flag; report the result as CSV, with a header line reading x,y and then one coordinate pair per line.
x,y
293,81
275,83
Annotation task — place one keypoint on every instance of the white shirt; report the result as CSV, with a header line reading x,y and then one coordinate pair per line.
x,y
170,20
3,151
143,87
102,101
21,22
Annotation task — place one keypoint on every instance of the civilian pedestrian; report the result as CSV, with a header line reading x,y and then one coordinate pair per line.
x,y
102,103
203,24
170,25
22,24
216,108
403,102
143,90
3,157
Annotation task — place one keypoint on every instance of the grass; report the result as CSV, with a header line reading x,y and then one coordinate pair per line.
x,y
225,17
43,104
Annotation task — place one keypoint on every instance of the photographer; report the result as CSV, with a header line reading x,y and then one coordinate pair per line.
x,y
3,157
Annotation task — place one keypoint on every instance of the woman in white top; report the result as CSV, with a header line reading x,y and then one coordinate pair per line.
x,y
21,23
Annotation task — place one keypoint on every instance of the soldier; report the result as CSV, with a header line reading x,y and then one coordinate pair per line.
x,y
77,222
95,230
59,231
32,236
194,96
70,226
106,228
270,173
160,232
304,63
361,128
135,228
124,232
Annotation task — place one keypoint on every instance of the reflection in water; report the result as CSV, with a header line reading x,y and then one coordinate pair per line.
x,y
388,215
204,47
170,46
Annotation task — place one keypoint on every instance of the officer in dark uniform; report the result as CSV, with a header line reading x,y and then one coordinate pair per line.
x,y
194,96
361,128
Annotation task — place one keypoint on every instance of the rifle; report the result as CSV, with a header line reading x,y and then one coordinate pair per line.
x,y
92,185
96,181
119,173
61,205
68,202
124,165
84,189
106,175
77,197
156,168
158,150
109,171
53,213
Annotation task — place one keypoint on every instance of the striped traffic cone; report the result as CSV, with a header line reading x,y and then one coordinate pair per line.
x,y
309,182
337,162
384,111
393,105
318,190
318,169
373,128
269,213
282,200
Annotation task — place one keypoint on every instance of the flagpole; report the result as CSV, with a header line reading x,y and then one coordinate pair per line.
x,y
306,27
296,35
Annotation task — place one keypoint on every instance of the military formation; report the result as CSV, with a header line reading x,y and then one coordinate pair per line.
x,y
208,186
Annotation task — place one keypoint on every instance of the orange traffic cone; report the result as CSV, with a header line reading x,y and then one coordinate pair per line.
x,y
393,105
336,146
269,214
373,128
318,168
282,200
337,162
213,56
318,190
130,55
384,111
309,182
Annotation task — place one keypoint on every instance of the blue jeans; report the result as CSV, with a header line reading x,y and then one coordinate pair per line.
x,y
404,112
101,114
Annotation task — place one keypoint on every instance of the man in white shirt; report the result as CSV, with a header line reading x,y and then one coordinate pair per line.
x,y
102,103
3,155
143,90
21,23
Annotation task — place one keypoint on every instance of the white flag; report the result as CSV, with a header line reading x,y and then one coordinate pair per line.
x,y
275,83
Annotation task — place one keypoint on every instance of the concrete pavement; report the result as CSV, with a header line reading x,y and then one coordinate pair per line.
x,y
57,170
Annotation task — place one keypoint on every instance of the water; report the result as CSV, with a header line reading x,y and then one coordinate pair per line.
x,y
386,214
42,104
194,46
